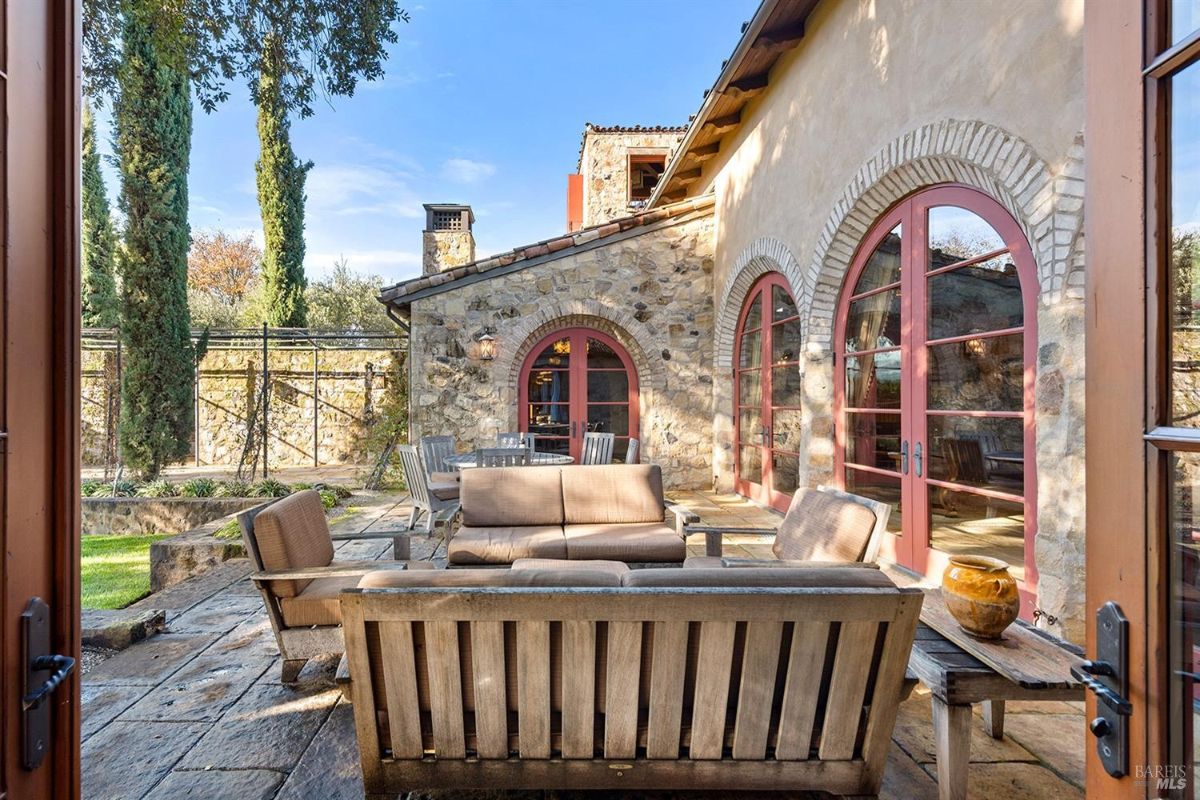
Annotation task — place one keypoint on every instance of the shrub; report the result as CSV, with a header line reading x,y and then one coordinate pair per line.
x,y
328,498
270,487
300,487
342,492
92,488
157,488
232,489
198,487
121,489
230,530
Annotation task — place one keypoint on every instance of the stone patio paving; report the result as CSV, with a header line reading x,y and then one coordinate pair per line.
x,y
198,711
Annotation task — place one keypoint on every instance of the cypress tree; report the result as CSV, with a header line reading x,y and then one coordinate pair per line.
x,y
280,198
153,119
99,288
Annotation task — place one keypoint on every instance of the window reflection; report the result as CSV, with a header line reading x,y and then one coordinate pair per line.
x,y
956,234
1185,246
883,268
1185,18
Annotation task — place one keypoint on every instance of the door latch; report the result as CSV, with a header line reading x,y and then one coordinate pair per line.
x,y
917,458
1107,677
44,672
904,457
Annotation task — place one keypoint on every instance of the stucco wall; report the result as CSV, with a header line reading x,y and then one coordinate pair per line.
x,y
879,99
651,291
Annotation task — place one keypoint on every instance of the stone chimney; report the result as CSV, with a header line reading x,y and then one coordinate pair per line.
x,y
447,240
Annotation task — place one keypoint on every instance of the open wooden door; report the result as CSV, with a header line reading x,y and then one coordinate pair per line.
x,y
1142,217
39,396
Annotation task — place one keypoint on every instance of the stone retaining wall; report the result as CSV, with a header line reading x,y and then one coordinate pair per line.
x,y
145,515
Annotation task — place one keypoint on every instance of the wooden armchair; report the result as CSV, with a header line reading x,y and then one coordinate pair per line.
x,y
290,544
597,448
822,524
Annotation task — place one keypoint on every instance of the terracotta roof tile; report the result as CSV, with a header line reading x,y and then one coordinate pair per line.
x,y
557,244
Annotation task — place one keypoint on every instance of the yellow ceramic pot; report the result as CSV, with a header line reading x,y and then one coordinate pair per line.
x,y
981,595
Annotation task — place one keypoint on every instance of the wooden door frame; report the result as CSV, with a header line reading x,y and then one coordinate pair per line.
x,y
577,381
763,492
41,275
910,212
1123,561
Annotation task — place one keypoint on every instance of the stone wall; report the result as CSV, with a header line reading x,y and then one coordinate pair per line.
x,y
1016,137
651,291
604,165
168,515
350,386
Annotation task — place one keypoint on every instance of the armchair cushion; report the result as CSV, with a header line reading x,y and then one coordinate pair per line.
x,y
820,526
498,497
468,578
630,541
617,568
612,493
292,533
444,490
503,545
318,603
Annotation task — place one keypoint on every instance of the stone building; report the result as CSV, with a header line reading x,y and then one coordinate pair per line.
x,y
861,265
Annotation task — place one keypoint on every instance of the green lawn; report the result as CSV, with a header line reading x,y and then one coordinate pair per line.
x,y
115,569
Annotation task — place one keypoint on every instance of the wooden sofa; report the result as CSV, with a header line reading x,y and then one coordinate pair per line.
x,y
586,678
614,512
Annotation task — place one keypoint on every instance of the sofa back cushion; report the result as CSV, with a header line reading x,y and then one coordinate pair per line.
x,y
489,578
292,533
511,497
612,493
750,577
824,527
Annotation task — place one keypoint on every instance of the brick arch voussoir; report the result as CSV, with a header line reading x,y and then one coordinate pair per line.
x,y
972,153
764,255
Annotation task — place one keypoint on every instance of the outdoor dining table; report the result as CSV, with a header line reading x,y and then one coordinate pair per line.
x,y
467,460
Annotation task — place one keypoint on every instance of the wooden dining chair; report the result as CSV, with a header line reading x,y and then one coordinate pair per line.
x,y
597,448
502,457
434,451
438,500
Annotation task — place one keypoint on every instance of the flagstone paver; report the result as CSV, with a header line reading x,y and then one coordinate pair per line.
x,y
198,711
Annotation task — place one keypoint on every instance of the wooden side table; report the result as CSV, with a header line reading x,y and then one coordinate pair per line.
x,y
960,671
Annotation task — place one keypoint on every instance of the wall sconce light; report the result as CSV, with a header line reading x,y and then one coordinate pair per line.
x,y
487,347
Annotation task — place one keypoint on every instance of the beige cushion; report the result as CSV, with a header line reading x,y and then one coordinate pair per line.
x,y
702,562
504,545
776,563
631,541
292,533
444,490
808,577
614,567
612,493
823,527
444,477
499,497
318,603
466,578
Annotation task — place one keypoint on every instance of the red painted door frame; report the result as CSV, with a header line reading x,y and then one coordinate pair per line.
x,y
764,491
577,382
912,547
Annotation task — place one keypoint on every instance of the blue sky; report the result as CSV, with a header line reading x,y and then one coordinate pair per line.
x,y
484,103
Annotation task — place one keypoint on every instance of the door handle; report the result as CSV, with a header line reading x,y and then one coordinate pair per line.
x,y
917,458
766,437
904,457
37,684
1106,677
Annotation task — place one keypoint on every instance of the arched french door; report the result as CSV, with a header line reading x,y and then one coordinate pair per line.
x,y
577,380
767,394
936,344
